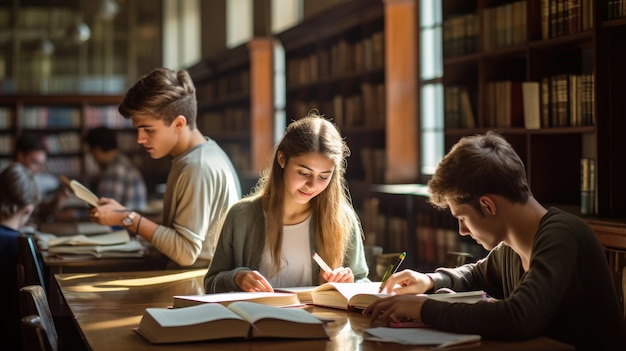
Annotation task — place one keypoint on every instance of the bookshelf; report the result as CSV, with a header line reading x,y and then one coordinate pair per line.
x,y
335,63
62,120
235,104
572,52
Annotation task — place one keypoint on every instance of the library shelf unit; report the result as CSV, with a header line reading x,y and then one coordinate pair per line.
x,y
235,103
335,64
573,60
63,120
573,52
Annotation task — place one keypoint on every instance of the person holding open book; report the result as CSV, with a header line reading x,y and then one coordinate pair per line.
x,y
19,195
300,206
202,182
119,177
546,268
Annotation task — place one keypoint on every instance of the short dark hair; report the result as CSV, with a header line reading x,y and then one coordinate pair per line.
x,y
28,142
478,165
101,137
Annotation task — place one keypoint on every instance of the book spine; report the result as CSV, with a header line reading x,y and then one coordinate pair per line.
x,y
587,187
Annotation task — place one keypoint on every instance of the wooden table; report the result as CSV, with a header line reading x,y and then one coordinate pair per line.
x,y
56,264
107,306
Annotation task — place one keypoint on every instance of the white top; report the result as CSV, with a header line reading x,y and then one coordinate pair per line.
x,y
296,258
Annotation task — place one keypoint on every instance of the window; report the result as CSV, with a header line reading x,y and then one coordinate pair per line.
x,y
430,86
181,33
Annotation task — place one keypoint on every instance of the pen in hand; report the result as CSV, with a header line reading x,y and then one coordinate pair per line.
x,y
393,268
321,263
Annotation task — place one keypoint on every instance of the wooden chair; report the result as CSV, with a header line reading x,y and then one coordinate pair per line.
x,y
29,266
34,335
34,295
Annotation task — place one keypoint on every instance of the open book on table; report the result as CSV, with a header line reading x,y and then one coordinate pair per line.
x,y
240,319
338,295
265,298
80,191
419,336
360,295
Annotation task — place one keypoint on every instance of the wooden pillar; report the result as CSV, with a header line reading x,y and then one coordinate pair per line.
x,y
402,126
261,101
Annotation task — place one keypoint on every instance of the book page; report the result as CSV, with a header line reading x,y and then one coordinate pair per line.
x,y
337,295
271,321
80,191
191,315
266,298
253,312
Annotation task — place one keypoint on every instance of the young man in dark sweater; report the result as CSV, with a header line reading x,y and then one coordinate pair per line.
x,y
546,269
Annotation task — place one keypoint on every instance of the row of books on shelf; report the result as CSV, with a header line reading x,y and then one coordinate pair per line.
x,y
459,107
460,35
50,117
233,84
434,239
343,57
232,119
6,118
65,165
563,17
27,82
373,163
616,9
109,116
6,145
505,25
67,142
239,155
562,100
364,109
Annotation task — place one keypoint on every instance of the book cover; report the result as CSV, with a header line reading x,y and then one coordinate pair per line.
x,y
281,299
242,320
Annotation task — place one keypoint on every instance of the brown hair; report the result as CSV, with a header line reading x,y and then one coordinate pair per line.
x,y
162,94
479,165
18,190
332,222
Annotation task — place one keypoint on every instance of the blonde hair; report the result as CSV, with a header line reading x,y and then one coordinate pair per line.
x,y
330,209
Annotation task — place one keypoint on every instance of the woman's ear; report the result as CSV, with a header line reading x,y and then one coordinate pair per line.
x,y
282,160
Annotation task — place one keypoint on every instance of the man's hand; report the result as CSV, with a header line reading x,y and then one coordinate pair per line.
x,y
408,282
396,308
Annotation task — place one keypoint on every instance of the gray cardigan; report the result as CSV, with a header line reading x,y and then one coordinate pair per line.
x,y
241,242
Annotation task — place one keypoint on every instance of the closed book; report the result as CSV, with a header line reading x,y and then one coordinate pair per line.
x,y
267,298
238,320
532,105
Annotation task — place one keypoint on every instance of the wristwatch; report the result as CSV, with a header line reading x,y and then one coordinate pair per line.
x,y
128,220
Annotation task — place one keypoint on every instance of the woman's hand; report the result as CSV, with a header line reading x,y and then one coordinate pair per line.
x,y
252,281
408,282
339,275
396,308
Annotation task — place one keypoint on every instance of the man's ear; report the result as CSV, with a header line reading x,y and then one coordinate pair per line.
x,y
180,122
487,205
